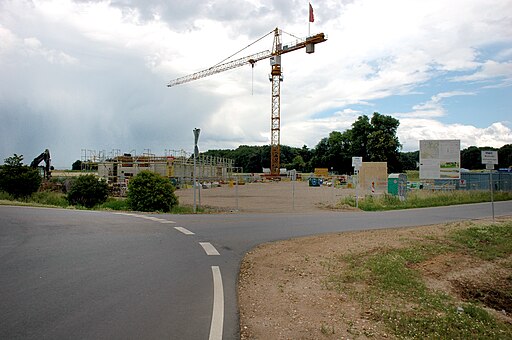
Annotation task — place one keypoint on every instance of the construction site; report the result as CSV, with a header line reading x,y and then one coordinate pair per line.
x,y
117,168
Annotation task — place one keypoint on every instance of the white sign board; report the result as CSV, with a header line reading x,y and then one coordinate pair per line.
x,y
357,162
440,159
490,157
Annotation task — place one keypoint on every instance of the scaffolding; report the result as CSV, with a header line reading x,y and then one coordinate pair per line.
x,y
118,168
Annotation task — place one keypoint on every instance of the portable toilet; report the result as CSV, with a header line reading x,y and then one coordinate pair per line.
x,y
397,185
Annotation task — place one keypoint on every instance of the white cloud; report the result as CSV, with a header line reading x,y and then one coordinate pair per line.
x,y
412,130
96,70
489,70
14,47
7,39
33,47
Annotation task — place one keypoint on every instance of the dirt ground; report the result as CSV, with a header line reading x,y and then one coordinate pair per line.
x,y
282,293
271,197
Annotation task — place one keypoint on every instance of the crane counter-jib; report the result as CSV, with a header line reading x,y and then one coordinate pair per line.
x,y
297,45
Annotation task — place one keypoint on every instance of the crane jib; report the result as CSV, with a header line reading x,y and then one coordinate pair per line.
x,y
251,59
222,67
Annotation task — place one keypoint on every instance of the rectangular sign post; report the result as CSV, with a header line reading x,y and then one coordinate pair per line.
x,y
490,158
357,162
440,159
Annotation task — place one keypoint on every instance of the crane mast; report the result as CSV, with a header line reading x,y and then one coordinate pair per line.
x,y
276,77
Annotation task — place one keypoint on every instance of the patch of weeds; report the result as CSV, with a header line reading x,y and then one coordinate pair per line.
x,y
189,209
468,322
487,242
38,199
425,198
281,287
337,279
50,198
390,271
387,282
327,330
115,204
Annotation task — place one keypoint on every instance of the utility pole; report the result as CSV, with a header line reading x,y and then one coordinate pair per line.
x,y
196,153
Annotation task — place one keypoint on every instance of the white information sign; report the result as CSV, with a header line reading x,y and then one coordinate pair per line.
x,y
490,157
357,162
440,159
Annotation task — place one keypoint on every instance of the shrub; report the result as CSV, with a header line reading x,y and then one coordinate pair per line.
x,y
87,191
151,192
17,179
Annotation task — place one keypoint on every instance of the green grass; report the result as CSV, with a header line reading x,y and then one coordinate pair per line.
x,y
424,198
413,175
487,243
114,204
54,199
388,283
39,199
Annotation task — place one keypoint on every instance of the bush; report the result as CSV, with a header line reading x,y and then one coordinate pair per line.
x,y
17,179
5,196
88,191
151,192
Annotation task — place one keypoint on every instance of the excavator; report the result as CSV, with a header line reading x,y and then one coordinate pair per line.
x,y
45,156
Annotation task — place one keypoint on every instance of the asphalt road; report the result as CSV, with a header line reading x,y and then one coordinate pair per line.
x,y
103,275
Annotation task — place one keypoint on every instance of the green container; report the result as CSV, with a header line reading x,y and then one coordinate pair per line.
x,y
397,185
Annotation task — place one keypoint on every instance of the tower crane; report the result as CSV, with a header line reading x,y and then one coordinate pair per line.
x,y
276,77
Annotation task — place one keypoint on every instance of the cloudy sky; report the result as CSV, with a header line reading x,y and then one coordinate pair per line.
x,y
92,74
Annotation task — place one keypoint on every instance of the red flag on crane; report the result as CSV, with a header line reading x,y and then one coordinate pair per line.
x,y
311,15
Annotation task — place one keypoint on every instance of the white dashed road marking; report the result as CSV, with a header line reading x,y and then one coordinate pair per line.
x,y
209,249
184,230
167,222
151,218
217,324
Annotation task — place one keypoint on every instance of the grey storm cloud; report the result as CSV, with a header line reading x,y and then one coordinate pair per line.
x,y
93,74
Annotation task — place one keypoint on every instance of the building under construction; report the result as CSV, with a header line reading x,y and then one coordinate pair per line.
x,y
118,168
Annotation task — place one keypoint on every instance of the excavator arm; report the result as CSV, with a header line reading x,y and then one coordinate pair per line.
x,y
45,156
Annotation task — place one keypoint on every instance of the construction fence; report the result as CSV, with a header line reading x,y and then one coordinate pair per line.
x,y
501,181
118,168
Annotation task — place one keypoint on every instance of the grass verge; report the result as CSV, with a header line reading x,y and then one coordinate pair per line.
x,y
58,200
423,199
390,284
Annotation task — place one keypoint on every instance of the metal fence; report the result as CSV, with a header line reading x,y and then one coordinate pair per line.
x,y
501,181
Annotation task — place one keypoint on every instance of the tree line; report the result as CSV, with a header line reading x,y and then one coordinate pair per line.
x,y
375,139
